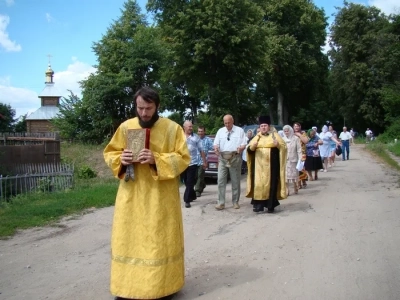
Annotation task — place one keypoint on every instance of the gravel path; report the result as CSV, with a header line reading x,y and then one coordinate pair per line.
x,y
337,239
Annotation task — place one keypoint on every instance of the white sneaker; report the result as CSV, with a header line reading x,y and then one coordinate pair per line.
x,y
329,166
325,171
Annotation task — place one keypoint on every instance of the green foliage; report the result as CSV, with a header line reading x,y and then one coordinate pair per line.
x,y
176,117
74,122
25,211
391,133
85,172
395,148
216,50
20,125
365,59
391,101
130,56
381,150
44,184
297,69
210,122
7,115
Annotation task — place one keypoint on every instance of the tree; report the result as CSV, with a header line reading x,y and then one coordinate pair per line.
x,y
74,122
216,46
365,64
295,75
130,56
7,115
20,125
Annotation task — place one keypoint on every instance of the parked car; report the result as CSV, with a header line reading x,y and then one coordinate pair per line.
x,y
212,164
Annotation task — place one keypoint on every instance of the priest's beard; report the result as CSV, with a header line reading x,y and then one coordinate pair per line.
x,y
150,123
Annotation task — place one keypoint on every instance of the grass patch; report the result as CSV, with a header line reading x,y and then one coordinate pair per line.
x,y
38,209
394,148
381,150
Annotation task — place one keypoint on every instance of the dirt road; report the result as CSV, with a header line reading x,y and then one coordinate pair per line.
x,y
337,239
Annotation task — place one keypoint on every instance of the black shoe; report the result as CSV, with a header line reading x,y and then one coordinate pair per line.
x,y
187,204
256,209
270,210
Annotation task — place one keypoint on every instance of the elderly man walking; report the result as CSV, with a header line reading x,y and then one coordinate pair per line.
x,y
229,144
345,138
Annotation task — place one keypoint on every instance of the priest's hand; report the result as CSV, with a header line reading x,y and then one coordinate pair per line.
x,y
146,157
126,157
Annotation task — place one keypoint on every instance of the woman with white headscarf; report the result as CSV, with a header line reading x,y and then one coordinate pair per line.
x,y
325,148
293,156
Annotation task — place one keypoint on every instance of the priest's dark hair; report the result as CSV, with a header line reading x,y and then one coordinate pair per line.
x,y
148,95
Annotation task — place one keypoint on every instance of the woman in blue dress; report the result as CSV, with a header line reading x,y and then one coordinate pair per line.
x,y
325,148
313,160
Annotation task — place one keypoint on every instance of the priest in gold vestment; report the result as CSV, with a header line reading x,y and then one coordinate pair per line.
x,y
266,162
147,249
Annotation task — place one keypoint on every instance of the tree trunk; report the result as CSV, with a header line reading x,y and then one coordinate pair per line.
x,y
279,107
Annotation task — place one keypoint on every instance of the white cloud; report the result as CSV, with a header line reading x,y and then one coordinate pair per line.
x,y
5,41
22,100
49,18
69,79
387,6
9,2
26,101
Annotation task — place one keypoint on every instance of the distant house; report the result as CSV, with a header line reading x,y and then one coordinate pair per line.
x,y
39,121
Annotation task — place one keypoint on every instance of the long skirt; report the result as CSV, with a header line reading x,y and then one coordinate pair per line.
x,y
313,163
292,175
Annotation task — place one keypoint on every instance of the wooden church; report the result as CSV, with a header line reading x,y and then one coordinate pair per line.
x,y
39,121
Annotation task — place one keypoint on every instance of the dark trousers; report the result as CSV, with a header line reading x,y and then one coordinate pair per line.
x,y
200,182
346,149
189,178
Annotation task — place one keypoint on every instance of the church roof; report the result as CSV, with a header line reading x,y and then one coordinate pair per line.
x,y
50,91
44,113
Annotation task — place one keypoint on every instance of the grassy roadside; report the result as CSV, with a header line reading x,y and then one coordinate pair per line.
x,y
383,151
38,209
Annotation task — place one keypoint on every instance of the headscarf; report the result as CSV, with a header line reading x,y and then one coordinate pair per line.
x,y
309,132
325,129
291,133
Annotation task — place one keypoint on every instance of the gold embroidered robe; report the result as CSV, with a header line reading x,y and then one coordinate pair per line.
x,y
147,236
260,189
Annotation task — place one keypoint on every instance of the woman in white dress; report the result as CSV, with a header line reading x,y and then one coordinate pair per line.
x,y
293,156
325,148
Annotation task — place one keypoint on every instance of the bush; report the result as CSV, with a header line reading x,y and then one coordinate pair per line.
x,y
395,148
391,133
85,172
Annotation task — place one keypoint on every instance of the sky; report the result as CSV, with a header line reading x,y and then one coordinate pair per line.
x,y
62,32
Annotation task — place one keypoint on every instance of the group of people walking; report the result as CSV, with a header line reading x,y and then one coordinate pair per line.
x,y
147,243
279,163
